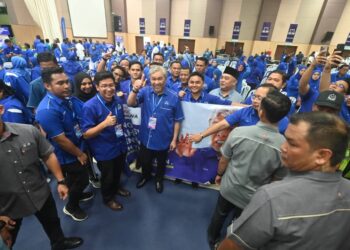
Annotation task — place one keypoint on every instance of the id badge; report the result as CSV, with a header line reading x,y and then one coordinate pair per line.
x,y
152,123
77,131
119,130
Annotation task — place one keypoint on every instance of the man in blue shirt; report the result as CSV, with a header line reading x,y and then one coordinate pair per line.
x,y
341,74
200,67
244,117
135,73
161,116
102,126
59,115
197,93
173,79
37,90
11,50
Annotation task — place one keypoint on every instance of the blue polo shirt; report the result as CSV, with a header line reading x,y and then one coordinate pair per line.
x,y
307,100
60,116
106,145
166,109
126,87
206,98
209,84
249,116
15,111
37,92
19,84
170,82
14,49
336,77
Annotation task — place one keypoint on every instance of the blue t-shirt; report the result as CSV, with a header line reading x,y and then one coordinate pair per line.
x,y
206,98
106,145
158,116
249,116
61,116
19,84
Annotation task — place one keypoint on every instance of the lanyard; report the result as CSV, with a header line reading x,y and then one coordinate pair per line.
x,y
104,105
155,106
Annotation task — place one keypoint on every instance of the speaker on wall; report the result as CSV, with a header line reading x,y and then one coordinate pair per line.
x,y
211,30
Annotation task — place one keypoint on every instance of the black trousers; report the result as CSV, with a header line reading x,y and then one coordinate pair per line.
x,y
48,218
222,210
77,179
110,176
147,156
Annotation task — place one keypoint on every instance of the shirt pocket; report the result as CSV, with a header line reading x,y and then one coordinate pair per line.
x,y
29,152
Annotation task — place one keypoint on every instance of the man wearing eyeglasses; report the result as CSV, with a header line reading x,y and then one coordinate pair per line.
x,y
244,117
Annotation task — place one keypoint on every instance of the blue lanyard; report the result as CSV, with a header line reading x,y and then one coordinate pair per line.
x,y
104,105
155,106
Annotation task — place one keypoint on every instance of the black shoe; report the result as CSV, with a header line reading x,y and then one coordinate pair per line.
x,y
123,192
77,214
68,243
141,182
194,185
86,196
159,186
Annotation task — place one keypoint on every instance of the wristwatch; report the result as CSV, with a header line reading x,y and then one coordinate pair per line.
x,y
135,91
62,182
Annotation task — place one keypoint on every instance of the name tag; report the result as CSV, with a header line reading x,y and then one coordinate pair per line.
x,y
152,123
119,130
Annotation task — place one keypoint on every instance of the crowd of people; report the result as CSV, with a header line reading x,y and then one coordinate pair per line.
x,y
63,105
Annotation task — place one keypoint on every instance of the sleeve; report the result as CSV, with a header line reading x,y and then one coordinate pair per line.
x,y
50,121
226,149
218,100
234,118
44,147
34,98
282,125
88,121
14,114
141,95
255,227
179,115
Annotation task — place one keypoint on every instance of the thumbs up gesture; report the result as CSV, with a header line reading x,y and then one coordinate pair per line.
x,y
110,120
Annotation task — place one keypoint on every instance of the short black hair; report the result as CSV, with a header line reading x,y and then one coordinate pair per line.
x,y
136,62
46,57
46,74
280,72
102,76
118,67
158,54
269,86
276,106
173,62
325,131
196,74
7,41
203,59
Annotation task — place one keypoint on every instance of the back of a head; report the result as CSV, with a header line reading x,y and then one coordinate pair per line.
x,y
48,72
325,131
276,106
46,57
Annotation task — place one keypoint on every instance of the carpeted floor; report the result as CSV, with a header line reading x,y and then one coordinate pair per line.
x,y
174,220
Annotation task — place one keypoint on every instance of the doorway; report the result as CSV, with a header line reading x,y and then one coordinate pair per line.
x,y
186,42
139,44
234,48
287,49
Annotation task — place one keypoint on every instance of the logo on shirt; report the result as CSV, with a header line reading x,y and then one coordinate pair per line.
x,y
332,97
166,103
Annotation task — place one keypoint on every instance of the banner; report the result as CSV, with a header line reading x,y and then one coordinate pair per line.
x,y
4,31
63,28
265,31
187,27
291,32
162,26
236,30
347,43
142,25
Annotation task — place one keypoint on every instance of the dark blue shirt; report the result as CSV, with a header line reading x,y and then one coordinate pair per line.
x,y
170,82
37,92
336,77
166,109
126,87
307,100
15,111
249,116
206,98
14,49
106,145
19,84
60,116
209,84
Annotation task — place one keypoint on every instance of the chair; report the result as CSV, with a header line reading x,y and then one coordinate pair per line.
x,y
221,68
245,89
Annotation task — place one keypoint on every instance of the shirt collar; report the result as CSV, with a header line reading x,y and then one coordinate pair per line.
x,y
201,97
59,100
318,175
230,93
9,130
104,101
164,91
267,126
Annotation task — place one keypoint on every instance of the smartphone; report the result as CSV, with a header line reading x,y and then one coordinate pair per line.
x,y
340,49
324,50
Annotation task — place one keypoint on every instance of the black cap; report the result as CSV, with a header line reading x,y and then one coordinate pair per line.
x,y
231,71
331,99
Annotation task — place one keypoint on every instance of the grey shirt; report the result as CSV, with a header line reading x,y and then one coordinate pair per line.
x,y
233,96
254,153
306,210
23,190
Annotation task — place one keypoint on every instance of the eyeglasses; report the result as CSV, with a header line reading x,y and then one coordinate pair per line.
x,y
258,97
107,86
340,85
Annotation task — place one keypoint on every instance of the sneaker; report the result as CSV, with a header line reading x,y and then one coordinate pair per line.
x,y
86,196
78,214
95,183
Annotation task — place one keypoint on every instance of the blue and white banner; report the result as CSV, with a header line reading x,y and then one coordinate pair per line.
x,y
265,31
142,25
291,32
236,30
347,43
187,27
190,162
4,31
162,26
63,28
